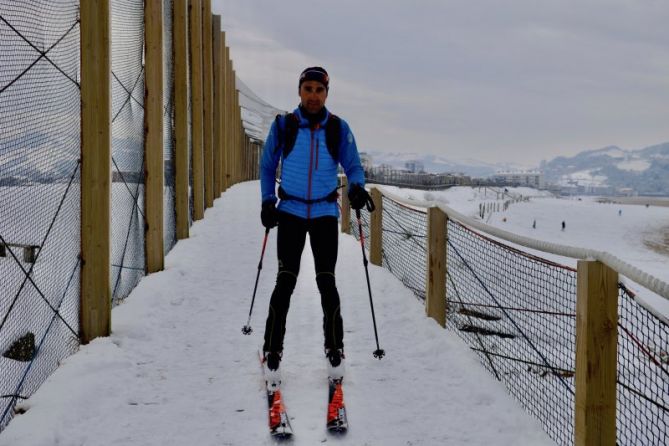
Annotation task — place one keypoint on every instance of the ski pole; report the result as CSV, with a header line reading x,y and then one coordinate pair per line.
x,y
378,353
247,328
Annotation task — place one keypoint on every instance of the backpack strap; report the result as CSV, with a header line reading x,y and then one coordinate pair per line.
x,y
286,126
333,136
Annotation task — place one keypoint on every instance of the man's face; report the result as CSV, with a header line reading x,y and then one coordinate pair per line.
x,y
313,95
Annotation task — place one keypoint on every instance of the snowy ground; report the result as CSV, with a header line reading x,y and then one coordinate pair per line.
x,y
177,369
625,230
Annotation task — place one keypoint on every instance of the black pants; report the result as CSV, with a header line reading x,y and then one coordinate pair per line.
x,y
324,237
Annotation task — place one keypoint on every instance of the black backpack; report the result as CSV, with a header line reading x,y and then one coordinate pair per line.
x,y
287,134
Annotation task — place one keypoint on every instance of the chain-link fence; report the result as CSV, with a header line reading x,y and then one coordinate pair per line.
x,y
39,193
517,311
643,374
404,242
41,172
169,223
127,146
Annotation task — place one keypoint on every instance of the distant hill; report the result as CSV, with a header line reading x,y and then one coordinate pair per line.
x,y
645,170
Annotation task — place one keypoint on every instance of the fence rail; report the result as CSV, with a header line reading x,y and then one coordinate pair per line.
x,y
120,124
573,345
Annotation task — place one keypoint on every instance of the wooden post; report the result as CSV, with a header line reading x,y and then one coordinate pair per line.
x,y
228,120
376,229
257,164
345,207
235,130
196,91
435,286
182,171
218,105
95,277
240,140
245,149
153,135
254,165
247,158
208,104
596,354
227,95
233,127
237,133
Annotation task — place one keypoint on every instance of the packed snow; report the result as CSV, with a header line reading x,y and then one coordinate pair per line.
x,y
583,178
635,233
177,369
634,165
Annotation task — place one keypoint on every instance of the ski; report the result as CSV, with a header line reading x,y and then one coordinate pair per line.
x,y
279,423
337,421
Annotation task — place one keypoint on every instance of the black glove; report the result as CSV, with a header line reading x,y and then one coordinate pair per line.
x,y
269,215
359,198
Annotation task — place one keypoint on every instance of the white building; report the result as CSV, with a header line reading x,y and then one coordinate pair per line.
x,y
414,166
531,179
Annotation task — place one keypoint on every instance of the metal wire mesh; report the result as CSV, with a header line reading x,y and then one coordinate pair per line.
x,y
40,178
127,146
517,312
191,198
39,192
643,374
169,213
405,244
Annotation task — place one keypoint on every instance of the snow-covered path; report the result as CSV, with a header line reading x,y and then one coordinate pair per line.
x,y
178,371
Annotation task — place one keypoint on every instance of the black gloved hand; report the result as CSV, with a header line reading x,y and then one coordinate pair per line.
x,y
269,215
359,198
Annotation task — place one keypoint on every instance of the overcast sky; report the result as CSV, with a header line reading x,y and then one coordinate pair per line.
x,y
520,80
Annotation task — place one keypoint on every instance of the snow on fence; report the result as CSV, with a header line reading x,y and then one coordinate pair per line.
x,y
573,345
120,122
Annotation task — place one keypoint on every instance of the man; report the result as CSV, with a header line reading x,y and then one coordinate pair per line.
x,y
310,143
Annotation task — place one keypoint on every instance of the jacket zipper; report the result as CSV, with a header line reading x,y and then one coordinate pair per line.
x,y
311,161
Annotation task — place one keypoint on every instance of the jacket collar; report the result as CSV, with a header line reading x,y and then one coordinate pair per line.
x,y
305,120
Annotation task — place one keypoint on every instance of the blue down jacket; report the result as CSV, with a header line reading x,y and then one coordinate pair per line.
x,y
308,172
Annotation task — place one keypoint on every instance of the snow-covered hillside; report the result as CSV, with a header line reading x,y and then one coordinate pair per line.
x,y
634,233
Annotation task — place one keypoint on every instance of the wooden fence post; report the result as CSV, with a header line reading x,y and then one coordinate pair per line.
x,y
257,163
208,104
234,129
245,146
376,229
218,102
181,161
596,354
238,134
153,135
435,286
95,278
227,95
197,117
345,207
